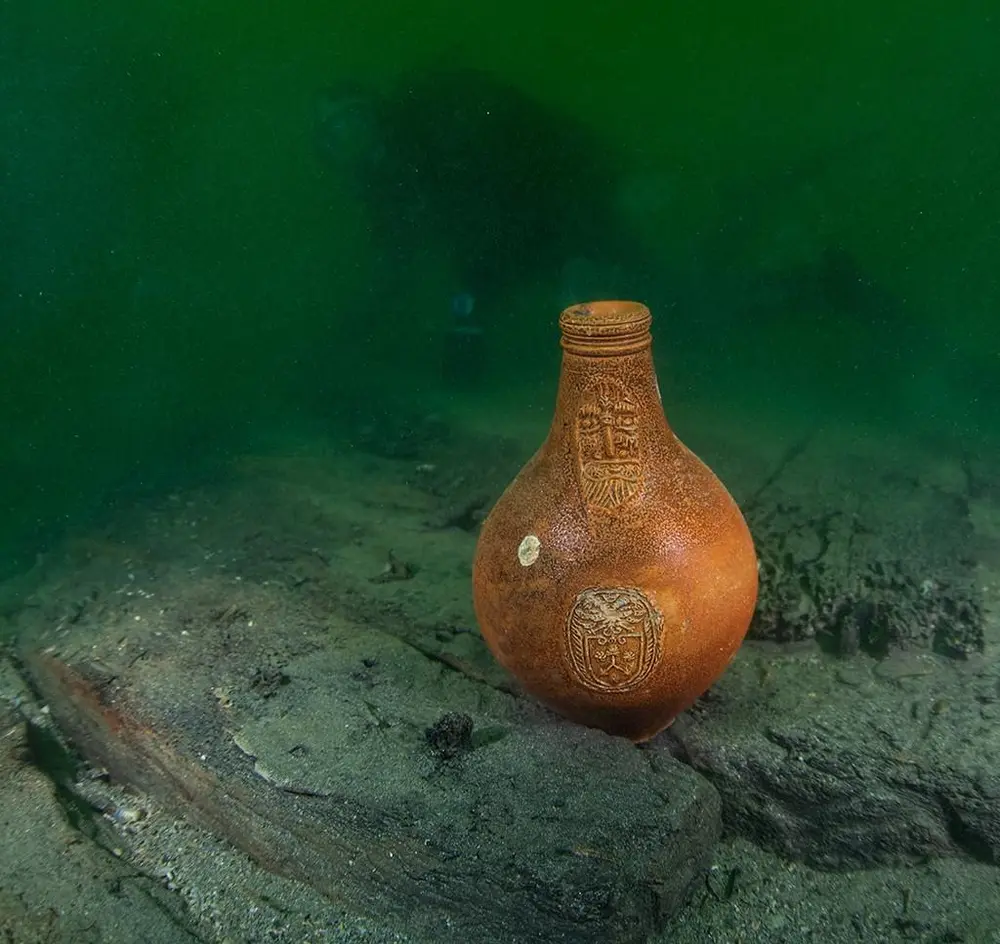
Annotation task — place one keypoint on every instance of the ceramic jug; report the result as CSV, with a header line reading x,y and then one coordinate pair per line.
x,y
615,578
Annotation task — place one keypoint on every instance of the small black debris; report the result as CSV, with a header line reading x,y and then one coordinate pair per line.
x,y
450,735
266,680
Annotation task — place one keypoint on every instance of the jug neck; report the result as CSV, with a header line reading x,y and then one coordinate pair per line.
x,y
607,378
608,418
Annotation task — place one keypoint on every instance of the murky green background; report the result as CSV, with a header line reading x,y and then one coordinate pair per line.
x,y
181,273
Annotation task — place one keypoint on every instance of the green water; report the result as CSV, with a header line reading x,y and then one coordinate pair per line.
x,y
181,273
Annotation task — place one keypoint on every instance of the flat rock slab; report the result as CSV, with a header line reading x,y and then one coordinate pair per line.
x,y
285,704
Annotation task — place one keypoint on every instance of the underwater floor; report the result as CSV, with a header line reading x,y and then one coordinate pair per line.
x,y
287,728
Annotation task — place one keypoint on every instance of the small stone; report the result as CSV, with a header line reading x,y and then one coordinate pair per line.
x,y
904,665
854,676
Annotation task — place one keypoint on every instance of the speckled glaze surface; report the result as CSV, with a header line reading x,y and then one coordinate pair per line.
x,y
616,576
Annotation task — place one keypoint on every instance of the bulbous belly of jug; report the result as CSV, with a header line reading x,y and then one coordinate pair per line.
x,y
619,621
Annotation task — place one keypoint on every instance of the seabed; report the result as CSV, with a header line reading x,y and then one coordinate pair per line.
x,y
258,709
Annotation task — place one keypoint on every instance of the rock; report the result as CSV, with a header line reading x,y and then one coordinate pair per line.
x,y
536,831
847,776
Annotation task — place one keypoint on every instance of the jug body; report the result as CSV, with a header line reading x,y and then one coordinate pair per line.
x,y
615,578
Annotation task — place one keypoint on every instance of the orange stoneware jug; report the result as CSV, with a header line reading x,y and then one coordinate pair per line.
x,y
615,578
